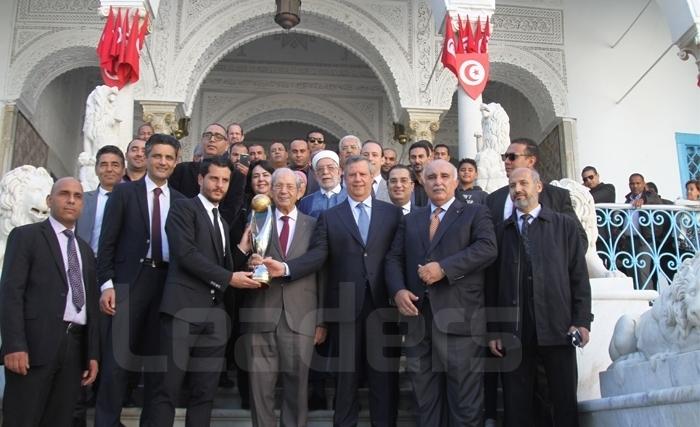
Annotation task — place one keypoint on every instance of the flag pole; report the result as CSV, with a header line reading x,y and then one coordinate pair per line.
x,y
442,25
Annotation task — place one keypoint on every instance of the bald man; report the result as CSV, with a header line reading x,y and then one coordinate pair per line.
x,y
49,308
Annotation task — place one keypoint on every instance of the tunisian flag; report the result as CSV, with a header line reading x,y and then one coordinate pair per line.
x,y
449,58
119,49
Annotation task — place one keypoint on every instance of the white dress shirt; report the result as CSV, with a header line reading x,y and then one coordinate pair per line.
x,y
406,208
367,207
292,221
208,206
533,213
444,207
507,207
70,314
331,192
102,198
164,208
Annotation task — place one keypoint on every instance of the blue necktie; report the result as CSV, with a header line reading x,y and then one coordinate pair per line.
x,y
75,278
362,221
525,232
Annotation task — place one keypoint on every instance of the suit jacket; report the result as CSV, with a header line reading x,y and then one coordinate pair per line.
x,y
382,192
198,273
184,180
560,286
464,245
86,222
352,265
315,203
299,301
125,235
555,198
33,292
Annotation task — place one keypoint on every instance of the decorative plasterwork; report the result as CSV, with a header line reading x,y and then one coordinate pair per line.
x,y
34,70
229,28
528,25
689,45
345,114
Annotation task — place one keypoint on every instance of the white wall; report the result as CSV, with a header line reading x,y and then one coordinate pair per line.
x,y
638,134
59,118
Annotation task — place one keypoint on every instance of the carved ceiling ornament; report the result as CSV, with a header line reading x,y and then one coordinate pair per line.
x,y
339,22
264,110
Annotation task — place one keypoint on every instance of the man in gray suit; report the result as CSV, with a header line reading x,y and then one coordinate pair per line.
x,y
109,167
281,324
373,151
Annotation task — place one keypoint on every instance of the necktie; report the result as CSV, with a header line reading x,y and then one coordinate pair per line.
x,y
327,200
217,234
524,232
434,222
362,221
75,278
156,240
284,234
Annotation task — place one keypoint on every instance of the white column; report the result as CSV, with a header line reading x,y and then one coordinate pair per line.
x,y
423,123
469,119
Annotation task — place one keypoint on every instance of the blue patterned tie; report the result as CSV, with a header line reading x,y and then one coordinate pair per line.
x,y
75,279
525,232
362,221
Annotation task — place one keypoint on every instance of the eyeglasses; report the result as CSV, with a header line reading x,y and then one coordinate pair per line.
x,y
312,139
588,178
217,136
513,156
350,148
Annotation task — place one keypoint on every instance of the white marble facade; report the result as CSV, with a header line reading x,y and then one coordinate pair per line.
x,y
550,60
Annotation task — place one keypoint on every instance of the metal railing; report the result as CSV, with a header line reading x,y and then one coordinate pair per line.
x,y
650,243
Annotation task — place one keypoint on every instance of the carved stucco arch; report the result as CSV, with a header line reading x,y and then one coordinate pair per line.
x,y
304,109
227,29
523,71
43,61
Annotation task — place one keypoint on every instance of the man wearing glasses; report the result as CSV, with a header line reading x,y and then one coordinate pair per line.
x,y
522,153
184,179
601,192
316,142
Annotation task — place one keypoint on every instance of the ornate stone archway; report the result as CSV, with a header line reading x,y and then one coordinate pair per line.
x,y
364,34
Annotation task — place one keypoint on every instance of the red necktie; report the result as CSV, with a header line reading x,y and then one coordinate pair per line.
x,y
284,235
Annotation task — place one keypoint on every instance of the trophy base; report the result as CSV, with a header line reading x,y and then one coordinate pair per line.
x,y
262,275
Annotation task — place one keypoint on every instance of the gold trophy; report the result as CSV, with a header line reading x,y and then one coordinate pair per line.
x,y
262,212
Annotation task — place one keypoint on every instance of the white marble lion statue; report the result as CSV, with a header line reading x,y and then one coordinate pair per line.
x,y
491,143
23,193
672,325
584,206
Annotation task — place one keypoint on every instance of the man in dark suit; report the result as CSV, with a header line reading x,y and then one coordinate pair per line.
x,y
601,192
185,176
355,237
194,325
542,280
282,323
48,315
524,153
215,143
109,167
400,186
132,263
435,274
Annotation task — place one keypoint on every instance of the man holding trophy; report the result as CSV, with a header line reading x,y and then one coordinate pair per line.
x,y
280,323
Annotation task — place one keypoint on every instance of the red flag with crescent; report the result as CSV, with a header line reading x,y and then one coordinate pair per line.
x,y
449,55
473,72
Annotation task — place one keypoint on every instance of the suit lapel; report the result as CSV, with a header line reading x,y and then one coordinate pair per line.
x,y
374,221
203,211
301,229
348,221
56,254
275,249
451,215
423,218
142,199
